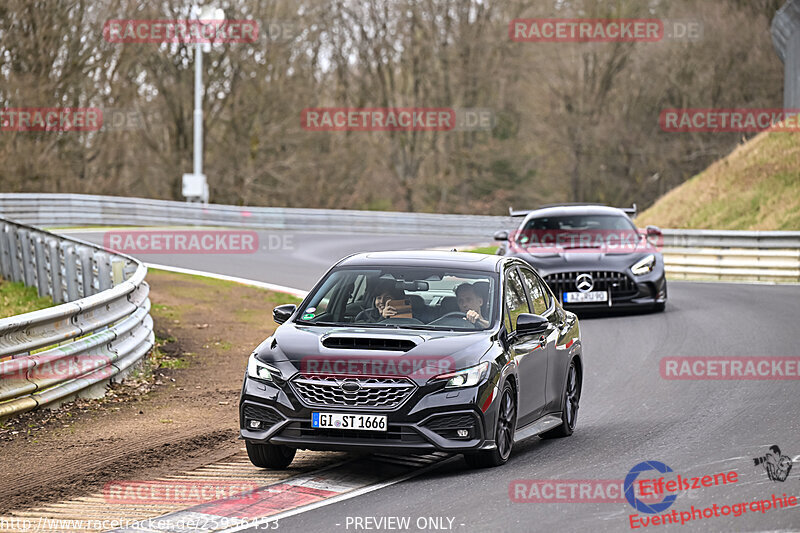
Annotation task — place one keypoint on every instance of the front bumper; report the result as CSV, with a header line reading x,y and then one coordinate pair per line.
x,y
625,290
426,422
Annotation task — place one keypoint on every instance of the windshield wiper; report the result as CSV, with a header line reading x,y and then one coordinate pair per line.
x,y
323,324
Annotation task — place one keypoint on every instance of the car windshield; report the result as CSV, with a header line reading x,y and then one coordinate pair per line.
x,y
428,298
578,231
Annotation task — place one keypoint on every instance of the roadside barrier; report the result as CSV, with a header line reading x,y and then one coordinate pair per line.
x,y
101,327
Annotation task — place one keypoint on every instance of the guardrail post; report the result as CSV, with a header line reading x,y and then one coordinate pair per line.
x,y
28,272
56,287
5,251
117,272
14,256
103,270
71,271
41,266
87,274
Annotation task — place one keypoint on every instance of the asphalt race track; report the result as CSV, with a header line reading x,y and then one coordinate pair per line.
x,y
629,413
292,259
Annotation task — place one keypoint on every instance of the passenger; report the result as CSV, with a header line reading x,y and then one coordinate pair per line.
x,y
386,291
470,303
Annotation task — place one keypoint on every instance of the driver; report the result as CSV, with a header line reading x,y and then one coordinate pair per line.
x,y
470,303
386,291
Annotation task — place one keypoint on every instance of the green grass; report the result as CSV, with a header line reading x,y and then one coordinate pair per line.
x,y
16,298
756,187
489,250
173,363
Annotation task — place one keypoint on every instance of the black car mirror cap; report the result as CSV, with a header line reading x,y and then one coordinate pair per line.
x,y
501,235
282,313
530,324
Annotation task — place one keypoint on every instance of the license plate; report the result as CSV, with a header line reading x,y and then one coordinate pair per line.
x,y
585,297
346,421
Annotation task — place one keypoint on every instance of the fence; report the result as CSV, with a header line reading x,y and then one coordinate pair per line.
x,y
100,329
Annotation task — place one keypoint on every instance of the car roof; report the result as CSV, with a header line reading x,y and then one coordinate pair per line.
x,y
425,258
565,210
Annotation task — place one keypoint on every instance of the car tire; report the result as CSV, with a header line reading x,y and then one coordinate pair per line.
x,y
659,307
504,433
273,456
569,411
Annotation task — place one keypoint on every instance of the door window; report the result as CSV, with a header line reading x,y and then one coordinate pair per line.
x,y
536,291
515,300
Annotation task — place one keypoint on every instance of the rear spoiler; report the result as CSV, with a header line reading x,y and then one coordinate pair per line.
x,y
630,211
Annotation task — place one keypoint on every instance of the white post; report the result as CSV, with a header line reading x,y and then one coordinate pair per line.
x,y
198,109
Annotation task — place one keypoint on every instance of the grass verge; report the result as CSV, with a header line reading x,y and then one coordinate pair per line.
x,y
16,299
756,187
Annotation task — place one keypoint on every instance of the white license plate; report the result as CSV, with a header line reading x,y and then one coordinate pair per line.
x,y
346,421
585,297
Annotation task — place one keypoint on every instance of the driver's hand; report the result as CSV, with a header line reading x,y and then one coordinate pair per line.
x,y
472,316
388,311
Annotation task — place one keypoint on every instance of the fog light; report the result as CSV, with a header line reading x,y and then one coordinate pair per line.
x,y
255,424
463,433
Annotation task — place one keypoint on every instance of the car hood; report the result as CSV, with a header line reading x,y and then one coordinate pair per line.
x,y
302,348
572,261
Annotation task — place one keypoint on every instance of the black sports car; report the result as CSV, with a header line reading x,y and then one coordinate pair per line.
x,y
592,257
414,352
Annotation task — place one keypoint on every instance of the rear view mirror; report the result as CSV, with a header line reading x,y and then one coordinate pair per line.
x,y
501,235
530,324
412,286
282,313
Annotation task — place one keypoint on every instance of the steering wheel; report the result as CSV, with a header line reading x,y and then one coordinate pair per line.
x,y
456,314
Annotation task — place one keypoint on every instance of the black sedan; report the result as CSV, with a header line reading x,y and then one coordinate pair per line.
x,y
592,257
415,352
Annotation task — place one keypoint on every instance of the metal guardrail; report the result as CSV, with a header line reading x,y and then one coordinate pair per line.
x,y
80,209
714,254
101,328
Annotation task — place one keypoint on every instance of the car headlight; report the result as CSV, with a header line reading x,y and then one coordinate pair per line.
x,y
468,377
259,370
644,266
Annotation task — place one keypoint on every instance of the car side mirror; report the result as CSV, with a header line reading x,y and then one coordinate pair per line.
x,y
653,231
282,313
501,235
530,324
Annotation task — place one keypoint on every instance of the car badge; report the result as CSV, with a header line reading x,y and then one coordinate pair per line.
x,y
584,283
350,386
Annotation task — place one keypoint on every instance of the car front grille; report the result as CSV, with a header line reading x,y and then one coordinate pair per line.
x,y
373,392
618,284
